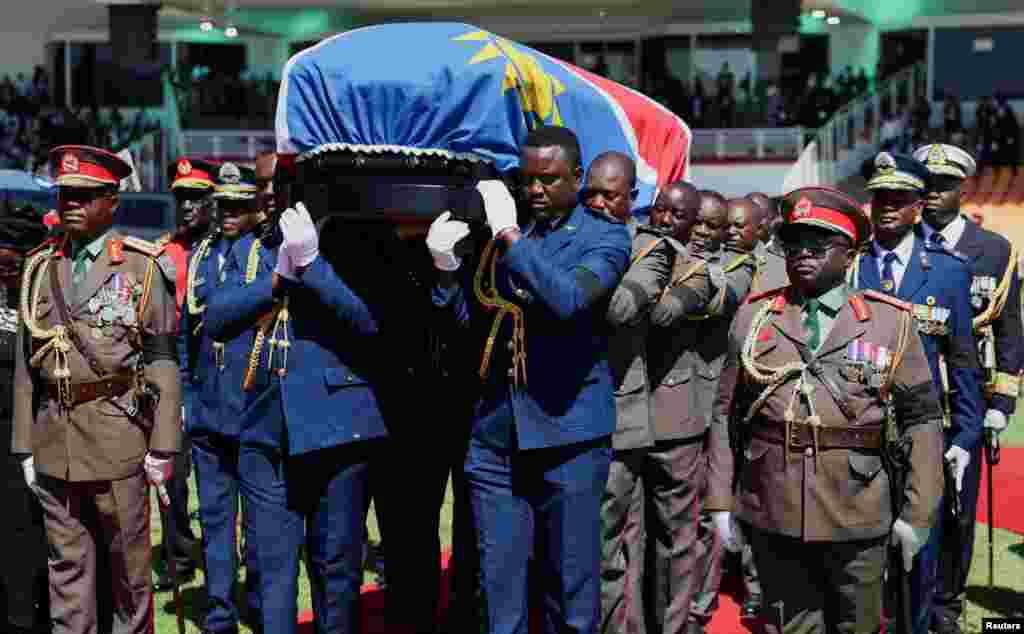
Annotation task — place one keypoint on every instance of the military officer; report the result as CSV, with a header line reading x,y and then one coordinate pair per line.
x,y
192,186
97,399
771,263
936,284
610,183
816,379
305,379
23,583
679,380
540,444
213,421
741,238
995,298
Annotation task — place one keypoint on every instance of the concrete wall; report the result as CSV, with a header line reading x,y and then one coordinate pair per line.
x,y
739,179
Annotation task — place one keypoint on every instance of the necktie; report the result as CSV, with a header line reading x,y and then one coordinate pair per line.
x,y
888,280
811,322
79,270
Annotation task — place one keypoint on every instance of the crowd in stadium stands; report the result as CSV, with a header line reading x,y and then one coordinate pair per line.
x,y
205,93
30,125
749,103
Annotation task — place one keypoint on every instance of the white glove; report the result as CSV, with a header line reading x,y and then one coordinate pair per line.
x,y
158,472
285,267
499,205
444,234
300,239
959,458
910,540
995,420
728,531
28,468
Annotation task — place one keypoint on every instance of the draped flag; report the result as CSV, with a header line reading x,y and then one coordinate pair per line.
x,y
421,87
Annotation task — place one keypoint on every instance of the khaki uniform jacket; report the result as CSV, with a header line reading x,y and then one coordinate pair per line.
x,y
107,438
628,313
678,381
840,494
771,268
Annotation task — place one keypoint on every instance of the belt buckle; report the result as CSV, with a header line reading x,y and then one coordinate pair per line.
x,y
793,437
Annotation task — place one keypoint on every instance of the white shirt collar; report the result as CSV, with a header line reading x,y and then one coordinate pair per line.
x,y
903,250
952,232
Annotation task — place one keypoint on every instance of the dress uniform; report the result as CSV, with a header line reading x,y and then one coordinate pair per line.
x,y
213,412
24,605
740,270
935,283
97,400
680,381
810,391
303,378
540,448
995,299
192,181
625,502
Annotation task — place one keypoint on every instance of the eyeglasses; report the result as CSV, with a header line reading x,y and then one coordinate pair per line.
x,y
83,195
816,249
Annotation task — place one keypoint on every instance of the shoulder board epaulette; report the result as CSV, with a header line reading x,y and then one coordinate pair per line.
x,y
143,246
50,243
886,299
756,297
860,308
164,239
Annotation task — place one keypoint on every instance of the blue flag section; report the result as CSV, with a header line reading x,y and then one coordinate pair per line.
x,y
459,89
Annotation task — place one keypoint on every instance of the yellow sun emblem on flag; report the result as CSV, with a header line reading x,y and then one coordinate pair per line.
x,y
523,73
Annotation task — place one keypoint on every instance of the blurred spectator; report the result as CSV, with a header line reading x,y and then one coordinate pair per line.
x,y
893,131
725,96
1006,145
951,116
919,118
985,121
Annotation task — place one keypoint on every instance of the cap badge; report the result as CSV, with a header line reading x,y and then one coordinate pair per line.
x,y
184,168
803,208
69,163
230,174
936,156
885,162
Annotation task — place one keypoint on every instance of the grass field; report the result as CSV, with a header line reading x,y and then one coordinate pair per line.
x,y
1005,599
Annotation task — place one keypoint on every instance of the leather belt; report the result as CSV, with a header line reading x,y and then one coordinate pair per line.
x,y
107,387
801,435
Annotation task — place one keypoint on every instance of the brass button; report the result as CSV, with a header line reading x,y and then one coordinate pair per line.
x,y
511,372
510,345
809,452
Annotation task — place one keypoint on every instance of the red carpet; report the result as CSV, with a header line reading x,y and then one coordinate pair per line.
x,y
1008,491
1008,514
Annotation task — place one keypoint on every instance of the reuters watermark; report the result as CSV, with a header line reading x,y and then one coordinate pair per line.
x,y
1002,625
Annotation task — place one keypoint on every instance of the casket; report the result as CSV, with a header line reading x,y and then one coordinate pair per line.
x,y
401,120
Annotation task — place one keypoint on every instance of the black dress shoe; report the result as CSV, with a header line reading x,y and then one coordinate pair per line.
x,y
751,607
165,581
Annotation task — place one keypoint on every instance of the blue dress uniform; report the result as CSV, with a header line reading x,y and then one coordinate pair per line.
x,y
935,282
995,299
540,445
302,381
209,386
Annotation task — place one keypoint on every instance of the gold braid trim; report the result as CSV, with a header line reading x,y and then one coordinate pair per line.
x,y
771,378
277,317
55,338
490,298
995,307
202,251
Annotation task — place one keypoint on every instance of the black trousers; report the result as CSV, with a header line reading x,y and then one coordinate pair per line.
x,y
24,589
178,539
408,480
